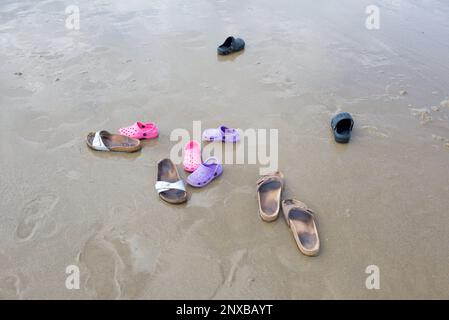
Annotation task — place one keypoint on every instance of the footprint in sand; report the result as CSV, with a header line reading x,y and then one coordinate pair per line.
x,y
112,266
10,287
73,175
237,259
103,264
34,216
374,132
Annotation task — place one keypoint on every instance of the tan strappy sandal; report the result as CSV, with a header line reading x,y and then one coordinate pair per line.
x,y
301,221
269,189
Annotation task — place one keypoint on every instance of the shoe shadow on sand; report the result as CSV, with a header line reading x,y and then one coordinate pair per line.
x,y
230,57
104,155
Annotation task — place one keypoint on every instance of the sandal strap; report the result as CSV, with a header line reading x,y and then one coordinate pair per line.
x,y
210,159
149,127
162,186
98,143
215,161
276,176
295,204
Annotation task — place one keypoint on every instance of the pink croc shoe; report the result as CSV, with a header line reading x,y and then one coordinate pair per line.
x,y
192,156
140,130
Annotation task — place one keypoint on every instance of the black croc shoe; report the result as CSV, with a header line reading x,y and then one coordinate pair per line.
x,y
342,125
231,45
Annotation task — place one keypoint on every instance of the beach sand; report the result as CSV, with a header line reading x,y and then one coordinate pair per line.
x,y
381,200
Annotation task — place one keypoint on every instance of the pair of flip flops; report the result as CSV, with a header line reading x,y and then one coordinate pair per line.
x,y
222,133
127,141
202,172
171,188
298,216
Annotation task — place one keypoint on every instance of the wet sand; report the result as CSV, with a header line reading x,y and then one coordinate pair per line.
x,y
383,199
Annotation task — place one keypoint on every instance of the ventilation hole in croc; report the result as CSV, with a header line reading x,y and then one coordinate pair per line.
x,y
215,174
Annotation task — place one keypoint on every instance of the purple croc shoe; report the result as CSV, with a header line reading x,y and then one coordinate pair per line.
x,y
205,173
221,133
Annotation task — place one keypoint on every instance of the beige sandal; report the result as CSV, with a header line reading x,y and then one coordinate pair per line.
x,y
269,189
105,141
301,221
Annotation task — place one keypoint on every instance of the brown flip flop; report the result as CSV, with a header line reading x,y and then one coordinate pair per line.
x,y
169,184
269,189
301,221
105,141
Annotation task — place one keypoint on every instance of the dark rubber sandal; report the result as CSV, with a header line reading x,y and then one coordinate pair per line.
x,y
342,125
231,45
